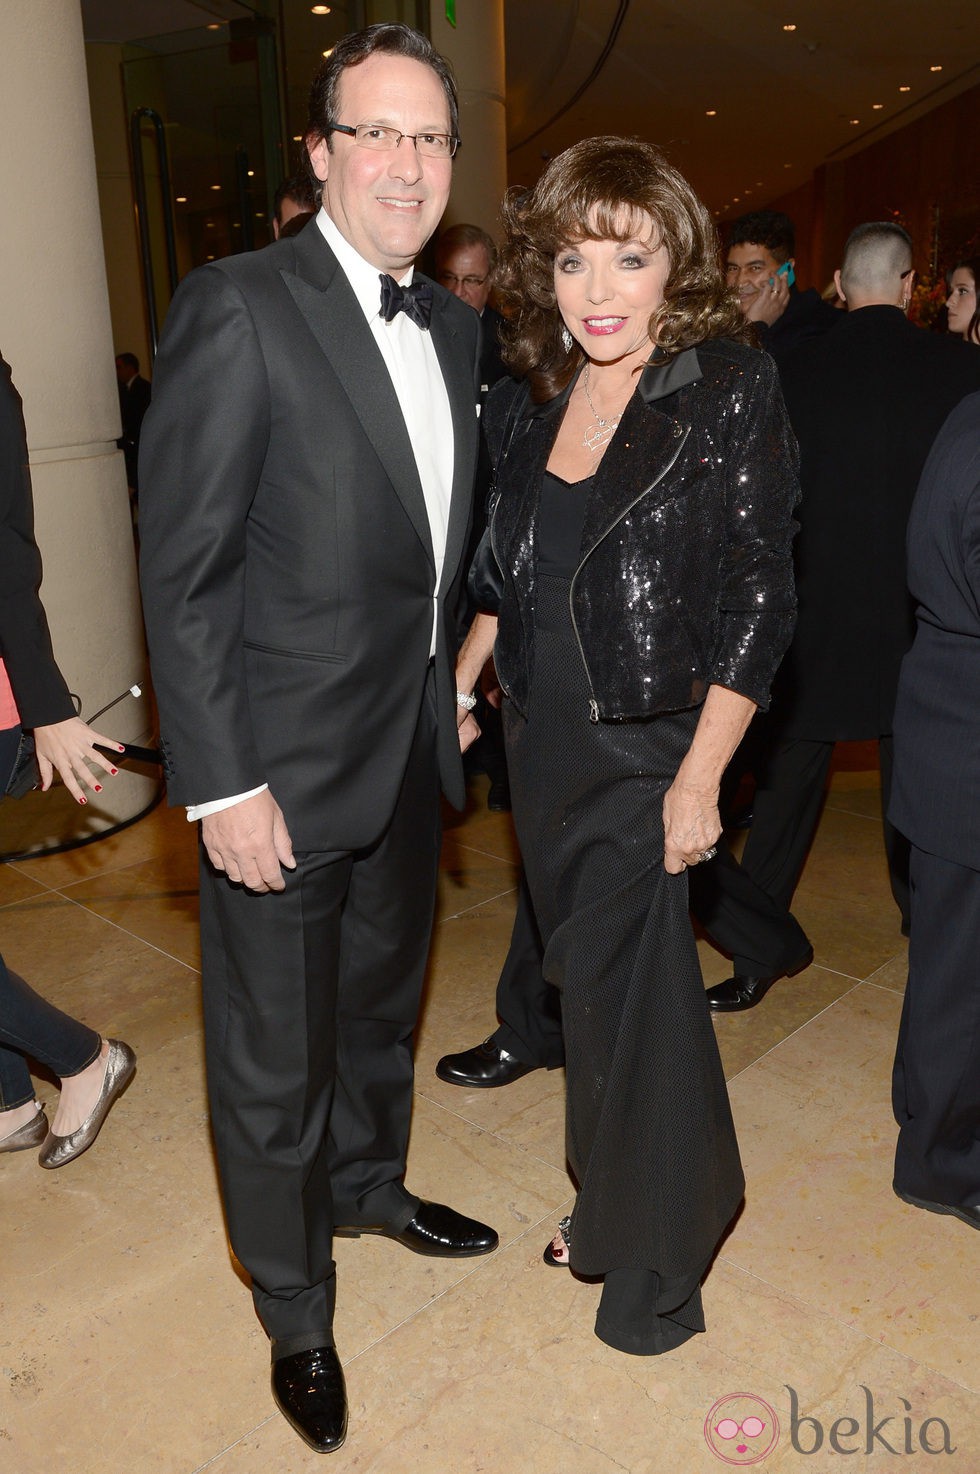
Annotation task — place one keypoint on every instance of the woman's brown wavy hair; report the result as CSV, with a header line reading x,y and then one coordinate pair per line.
x,y
607,189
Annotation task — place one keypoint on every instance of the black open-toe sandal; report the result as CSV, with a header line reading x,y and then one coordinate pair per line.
x,y
564,1234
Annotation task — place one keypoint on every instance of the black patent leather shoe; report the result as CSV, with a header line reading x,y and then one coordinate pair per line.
x,y
968,1213
435,1230
309,1391
498,797
743,991
482,1068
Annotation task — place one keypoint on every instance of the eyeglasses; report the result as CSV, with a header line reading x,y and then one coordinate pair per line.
x,y
386,140
450,279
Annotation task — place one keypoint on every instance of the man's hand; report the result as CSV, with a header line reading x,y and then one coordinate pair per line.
x,y
250,843
769,303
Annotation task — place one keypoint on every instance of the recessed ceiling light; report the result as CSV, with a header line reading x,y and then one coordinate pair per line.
x,y
214,26
297,138
854,122
877,106
935,69
251,173
906,88
320,9
787,166
736,198
216,186
789,28
712,112
329,51
758,184
182,199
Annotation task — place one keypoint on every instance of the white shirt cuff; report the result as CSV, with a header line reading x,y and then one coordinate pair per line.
x,y
201,811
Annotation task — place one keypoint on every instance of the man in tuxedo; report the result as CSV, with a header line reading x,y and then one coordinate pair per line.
x,y
308,470
936,803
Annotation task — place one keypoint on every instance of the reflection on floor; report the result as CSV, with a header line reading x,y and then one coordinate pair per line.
x,y
127,1344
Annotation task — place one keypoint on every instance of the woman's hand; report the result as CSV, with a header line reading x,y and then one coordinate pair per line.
x,y
691,825
66,747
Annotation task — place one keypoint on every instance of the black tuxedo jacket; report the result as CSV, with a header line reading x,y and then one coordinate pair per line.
x,y
287,565
866,402
25,644
936,785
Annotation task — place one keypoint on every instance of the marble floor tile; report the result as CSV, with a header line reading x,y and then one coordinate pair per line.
x,y
128,1343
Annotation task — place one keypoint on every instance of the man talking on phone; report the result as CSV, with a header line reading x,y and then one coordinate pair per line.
x,y
760,266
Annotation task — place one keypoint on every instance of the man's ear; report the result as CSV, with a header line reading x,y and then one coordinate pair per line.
x,y
319,158
840,289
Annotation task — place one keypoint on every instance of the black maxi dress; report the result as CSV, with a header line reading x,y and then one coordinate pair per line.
x,y
649,1133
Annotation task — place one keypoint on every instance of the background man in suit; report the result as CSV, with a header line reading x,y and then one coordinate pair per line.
x,y
308,471
465,260
760,267
936,802
134,401
866,402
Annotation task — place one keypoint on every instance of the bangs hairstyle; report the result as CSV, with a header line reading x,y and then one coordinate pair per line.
x,y
608,189
972,265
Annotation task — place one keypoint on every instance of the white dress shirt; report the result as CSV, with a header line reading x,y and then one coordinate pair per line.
x,y
410,358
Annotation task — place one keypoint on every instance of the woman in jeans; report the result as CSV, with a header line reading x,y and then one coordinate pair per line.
x,y
93,1071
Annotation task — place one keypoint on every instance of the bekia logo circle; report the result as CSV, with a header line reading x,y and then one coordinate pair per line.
x,y
741,1429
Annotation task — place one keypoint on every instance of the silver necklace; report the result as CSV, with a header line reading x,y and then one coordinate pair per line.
x,y
594,439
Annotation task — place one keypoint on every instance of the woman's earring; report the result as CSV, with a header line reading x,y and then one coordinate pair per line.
x,y
566,339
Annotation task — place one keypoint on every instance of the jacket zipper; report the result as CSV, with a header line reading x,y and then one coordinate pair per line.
x,y
593,703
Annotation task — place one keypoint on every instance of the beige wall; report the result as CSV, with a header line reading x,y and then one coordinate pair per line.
x,y
475,47
55,331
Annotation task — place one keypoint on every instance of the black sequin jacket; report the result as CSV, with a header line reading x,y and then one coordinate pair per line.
x,y
686,578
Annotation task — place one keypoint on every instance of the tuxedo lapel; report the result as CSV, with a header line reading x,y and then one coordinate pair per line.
x,y
324,297
457,373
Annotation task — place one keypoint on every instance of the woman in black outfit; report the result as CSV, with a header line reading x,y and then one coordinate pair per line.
x,y
93,1071
646,476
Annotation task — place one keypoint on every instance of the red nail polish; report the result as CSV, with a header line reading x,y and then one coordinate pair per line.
x,y
113,771
83,800
98,787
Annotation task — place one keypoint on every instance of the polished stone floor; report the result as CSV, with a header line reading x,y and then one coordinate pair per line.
x,y
128,1343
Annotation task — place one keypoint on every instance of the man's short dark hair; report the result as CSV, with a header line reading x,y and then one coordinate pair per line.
x,y
130,360
458,237
350,51
297,187
769,228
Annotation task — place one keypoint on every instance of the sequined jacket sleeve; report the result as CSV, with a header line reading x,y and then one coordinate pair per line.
x,y
756,599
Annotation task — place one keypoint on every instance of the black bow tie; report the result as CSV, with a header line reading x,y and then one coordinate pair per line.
x,y
415,301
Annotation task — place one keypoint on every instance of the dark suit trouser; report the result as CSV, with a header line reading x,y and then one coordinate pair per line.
x,y
311,997
936,1079
786,811
762,937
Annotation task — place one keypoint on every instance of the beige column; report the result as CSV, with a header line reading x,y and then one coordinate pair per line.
x,y
55,333
475,47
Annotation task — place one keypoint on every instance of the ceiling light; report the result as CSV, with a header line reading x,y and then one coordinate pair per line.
x,y
712,112
877,106
935,69
251,173
329,51
182,199
787,166
216,186
905,89
214,26
297,138
854,122
320,9
789,28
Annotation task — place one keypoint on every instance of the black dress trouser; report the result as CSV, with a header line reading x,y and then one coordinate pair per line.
x,y
936,1078
311,996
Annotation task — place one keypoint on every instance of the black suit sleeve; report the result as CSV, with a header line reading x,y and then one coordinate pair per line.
x,y
202,451
25,644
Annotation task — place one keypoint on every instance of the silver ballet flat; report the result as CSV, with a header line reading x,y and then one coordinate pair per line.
x,y
120,1068
32,1133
